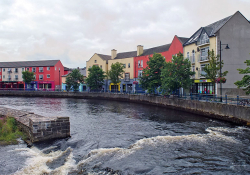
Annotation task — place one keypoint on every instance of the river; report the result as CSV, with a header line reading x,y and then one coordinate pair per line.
x,y
110,137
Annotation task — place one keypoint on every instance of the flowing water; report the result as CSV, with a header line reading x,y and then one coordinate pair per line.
x,y
110,137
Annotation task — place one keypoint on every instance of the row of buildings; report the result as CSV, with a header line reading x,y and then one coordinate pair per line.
x,y
232,31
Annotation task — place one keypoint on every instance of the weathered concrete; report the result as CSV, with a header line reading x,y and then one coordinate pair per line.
x,y
39,128
232,113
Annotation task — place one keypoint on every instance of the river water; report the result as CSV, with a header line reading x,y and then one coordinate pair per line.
x,y
110,137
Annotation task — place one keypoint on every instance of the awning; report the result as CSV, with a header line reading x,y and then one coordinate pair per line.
x,y
135,82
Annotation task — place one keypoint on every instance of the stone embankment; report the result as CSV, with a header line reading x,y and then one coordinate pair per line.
x,y
39,128
227,112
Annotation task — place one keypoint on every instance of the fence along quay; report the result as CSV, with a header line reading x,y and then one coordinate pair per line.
x,y
38,128
227,112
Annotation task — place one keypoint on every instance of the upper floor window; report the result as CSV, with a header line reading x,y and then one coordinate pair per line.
x,y
40,77
124,65
48,68
27,68
204,54
0,77
3,69
126,77
101,66
95,61
187,55
139,73
9,69
128,65
40,69
22,69
48,75
16,77
16,70
34,76
204,39
141,63
0,69
33,69
3,76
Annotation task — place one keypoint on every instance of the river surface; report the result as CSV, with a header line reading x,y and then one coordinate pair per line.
x,y
110,137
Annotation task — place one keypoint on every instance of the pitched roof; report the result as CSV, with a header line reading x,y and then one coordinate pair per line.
x,y
104,57
157,49
126,55
28,63
210,29
182,39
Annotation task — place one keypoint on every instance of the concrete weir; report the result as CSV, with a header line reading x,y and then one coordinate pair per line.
x,y
39,128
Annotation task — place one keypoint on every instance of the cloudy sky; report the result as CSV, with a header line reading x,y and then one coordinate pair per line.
x,y
73,31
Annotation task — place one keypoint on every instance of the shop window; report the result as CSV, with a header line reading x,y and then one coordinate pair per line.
x,y
49,85
40,86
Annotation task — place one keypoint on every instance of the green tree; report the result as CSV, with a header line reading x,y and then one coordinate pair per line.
x,y
95,78
176,74
245,82
151,75
74,79
28,76
116,73
212,70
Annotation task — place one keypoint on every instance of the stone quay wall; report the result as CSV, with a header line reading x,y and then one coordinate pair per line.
x,y
39,128
227,112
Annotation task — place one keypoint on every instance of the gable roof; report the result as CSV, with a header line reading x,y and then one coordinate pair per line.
x,y
104,57
157,49
126,55
210,29
42,63
182,39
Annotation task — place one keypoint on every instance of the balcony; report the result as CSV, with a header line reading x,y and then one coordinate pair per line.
x,y
203,58
201,74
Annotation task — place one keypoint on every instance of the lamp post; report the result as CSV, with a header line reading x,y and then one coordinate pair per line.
x,y
220,67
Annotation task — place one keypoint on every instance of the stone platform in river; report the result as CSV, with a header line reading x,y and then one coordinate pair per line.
x,y
37,127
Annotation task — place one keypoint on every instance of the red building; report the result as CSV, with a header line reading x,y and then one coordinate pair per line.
x,y
167,51
47,74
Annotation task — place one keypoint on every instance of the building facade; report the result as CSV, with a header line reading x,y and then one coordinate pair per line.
x,y
234,31
47,74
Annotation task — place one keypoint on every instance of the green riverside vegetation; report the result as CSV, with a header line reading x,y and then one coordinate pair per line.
x,y
9,131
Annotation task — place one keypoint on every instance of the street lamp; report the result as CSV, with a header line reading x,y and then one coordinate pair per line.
x,y
227,47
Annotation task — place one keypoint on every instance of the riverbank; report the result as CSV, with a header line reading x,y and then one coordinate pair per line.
x,y
232,113
9,132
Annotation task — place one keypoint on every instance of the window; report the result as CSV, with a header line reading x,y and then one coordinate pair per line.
x,y
34,76
204,54
138,64
187,55
16,70
40,77
48,68
203,39
126,77
202,72
27,68
124,65
139,73
193,57
49,86
9,77
193,69
101,66
0,69
0,77
141,63
55,68
128,65
3,69
3,76
16,77
95,61
33,69
40,69
48,75
22,69
9,69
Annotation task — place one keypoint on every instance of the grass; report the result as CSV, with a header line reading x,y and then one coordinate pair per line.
x,y
9,132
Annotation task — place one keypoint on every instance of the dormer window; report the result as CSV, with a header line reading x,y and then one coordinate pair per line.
x,y
204,39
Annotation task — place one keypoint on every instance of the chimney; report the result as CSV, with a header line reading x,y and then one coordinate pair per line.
x,y
113,53
139,50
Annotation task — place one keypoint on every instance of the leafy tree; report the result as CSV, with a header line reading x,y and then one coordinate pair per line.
x,y
212,69
74,79
95,78
176,74
28,76
116,73
245,82
151,75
